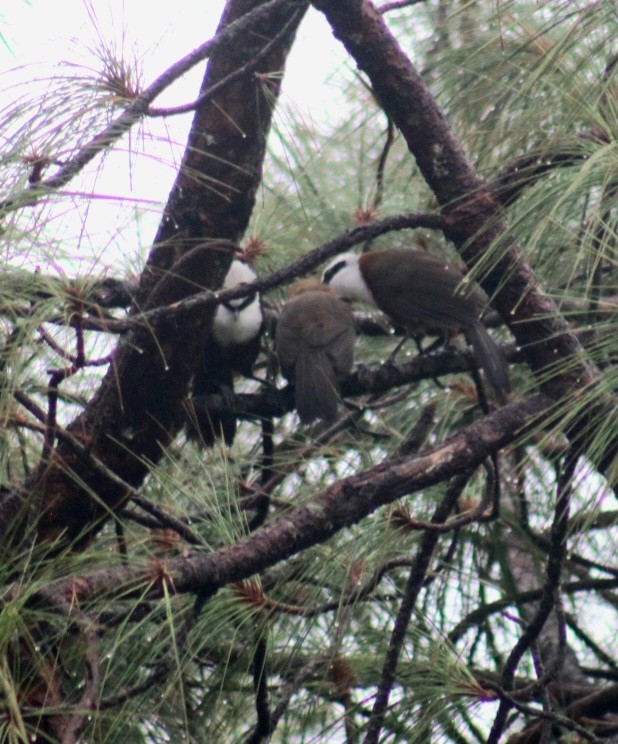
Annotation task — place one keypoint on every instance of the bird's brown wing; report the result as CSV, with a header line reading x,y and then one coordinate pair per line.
x,y
426,292
315,345
329,325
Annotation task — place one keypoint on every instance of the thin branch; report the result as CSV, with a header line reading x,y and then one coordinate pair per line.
x,y
168,520
549,597
238,74
99,467
414,585
388,143
292,687
139,107
526,170
305,264
56,377
264,725
73,442
476,617
289,273
555,718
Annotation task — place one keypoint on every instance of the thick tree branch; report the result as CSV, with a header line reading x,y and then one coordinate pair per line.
x,y
136,411
473,215
214,192
344,504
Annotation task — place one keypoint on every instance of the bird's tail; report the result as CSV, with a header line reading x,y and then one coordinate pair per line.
x,y
490,357
317,392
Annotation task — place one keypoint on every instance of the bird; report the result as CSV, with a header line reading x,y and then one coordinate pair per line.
x,y
314,342
419,291
232,348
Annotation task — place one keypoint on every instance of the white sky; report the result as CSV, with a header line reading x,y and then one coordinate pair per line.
x,y
47,32
42,34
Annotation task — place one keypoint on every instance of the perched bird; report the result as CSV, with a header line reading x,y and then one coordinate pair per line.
x,y
315,345
232,348
419,291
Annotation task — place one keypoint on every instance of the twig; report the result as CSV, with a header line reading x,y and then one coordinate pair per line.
x,y
292,687
56,377
268,475
227,81
477,616
139,108
264,725
99,467
167,520
413,588
549,596
555,718
300,267
254,500
292,271
479,513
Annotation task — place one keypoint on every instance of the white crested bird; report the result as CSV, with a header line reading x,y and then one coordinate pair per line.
x,y
419,291
232,349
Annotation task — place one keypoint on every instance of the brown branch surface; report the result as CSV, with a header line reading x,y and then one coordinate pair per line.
x,y
472,213
144,386
343,505
136,409
214,193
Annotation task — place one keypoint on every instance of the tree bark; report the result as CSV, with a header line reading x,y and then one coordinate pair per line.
x,y
135,412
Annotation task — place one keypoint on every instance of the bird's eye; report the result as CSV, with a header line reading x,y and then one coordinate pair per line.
x,y
332,270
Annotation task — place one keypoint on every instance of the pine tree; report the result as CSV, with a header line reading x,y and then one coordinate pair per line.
x,y
435,565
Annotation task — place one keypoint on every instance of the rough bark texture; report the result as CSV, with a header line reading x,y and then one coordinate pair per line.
x,y
214,192
136,409
473,215
344,504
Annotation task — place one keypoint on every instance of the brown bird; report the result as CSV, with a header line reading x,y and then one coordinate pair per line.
x,y
419,291
315,345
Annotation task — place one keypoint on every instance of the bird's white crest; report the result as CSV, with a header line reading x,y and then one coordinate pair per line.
x,y
345,277
239,273
235,324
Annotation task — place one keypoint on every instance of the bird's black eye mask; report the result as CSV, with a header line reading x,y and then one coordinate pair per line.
x,y
334,269
236,306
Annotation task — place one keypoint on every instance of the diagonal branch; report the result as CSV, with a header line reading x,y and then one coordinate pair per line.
x,y
415,583
474,217
549,599
137,409
344,504
139,108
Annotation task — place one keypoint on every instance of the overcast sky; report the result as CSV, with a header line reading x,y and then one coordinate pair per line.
x,y
42,34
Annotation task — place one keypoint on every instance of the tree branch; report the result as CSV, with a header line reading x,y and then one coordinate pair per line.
x,y
344,504
474,217
139,107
